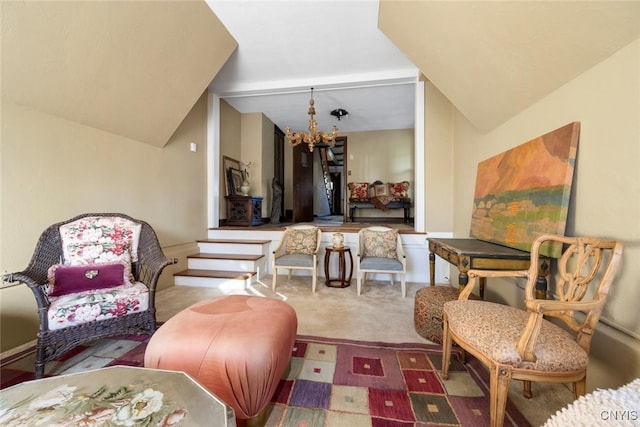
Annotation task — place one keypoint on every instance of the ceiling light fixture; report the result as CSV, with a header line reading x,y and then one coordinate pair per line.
x,y
313,137
339,113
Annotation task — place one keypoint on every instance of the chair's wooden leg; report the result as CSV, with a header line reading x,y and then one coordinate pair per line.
x,y
526,389
314,279
446,348
274,281
359,281
404,286
499,378
580,387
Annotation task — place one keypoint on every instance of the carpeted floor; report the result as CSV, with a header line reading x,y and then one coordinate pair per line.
x,y
336,382
380,314
347,383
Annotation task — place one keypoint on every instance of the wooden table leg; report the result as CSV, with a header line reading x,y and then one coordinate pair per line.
x,y
463,279
541,282
432,269
327,256
341,268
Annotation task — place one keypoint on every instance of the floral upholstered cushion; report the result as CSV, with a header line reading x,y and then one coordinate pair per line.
x,y
301,241
380,243
495,329
359,191
98,240
75,309
68,279
399,190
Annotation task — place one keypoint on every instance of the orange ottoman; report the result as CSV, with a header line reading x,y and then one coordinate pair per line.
x,y
236,346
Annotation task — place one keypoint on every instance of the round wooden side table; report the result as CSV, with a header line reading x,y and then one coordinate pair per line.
x,y
341,282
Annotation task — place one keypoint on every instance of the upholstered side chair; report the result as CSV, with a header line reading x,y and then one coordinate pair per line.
x,y
298,250
380,251
522,343
93,276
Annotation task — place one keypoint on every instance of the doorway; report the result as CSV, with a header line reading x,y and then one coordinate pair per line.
x,y
332,186
302,184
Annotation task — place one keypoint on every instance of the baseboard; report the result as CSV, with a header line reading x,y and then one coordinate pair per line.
x,y
16,353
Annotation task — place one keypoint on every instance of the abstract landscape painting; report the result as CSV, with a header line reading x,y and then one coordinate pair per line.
x,y
524,192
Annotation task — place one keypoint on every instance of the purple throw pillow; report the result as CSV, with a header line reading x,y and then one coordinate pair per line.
x,y
70,279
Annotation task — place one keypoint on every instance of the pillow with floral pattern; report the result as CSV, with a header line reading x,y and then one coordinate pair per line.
x,y
99,240
301,241
359,191
381,244
399,190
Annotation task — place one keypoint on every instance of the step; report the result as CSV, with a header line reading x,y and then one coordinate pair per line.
x,y
226,246
229,262
224,279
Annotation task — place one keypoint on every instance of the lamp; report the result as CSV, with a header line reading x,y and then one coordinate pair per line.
x,y
339,113
313,137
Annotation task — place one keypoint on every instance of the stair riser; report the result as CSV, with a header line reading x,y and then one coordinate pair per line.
x,y
233,248
224,264
220,283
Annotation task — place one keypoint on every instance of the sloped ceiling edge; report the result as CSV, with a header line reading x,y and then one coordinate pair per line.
x,y
134,69
492,60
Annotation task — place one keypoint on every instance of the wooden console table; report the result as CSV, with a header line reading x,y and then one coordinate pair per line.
x,y
244,210
474,254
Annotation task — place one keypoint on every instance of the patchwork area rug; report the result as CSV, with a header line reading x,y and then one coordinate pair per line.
x,y
334,382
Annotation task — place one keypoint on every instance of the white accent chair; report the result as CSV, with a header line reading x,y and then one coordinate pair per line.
x,y
298,250
380,251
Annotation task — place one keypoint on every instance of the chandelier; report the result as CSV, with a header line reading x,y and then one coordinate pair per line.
x,y
313,137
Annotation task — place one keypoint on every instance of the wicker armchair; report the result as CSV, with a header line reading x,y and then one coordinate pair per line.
x,y
146,268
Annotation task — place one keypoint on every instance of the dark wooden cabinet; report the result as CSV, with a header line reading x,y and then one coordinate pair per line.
x,y
244,210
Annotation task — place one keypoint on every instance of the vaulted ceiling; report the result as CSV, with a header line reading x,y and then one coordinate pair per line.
x,y
127,67
136,68
491,59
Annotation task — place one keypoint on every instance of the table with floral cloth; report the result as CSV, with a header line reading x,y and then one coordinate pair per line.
x,y
118,395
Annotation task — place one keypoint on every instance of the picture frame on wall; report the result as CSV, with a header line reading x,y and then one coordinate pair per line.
x,y
235,180
227,164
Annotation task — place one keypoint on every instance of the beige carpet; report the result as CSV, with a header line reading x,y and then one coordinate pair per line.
x,y
379,314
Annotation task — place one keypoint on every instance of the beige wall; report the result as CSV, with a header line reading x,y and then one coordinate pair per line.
x,y
438,161
384,155
248,138
606,202
130,68
257,147
230,135
54,169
